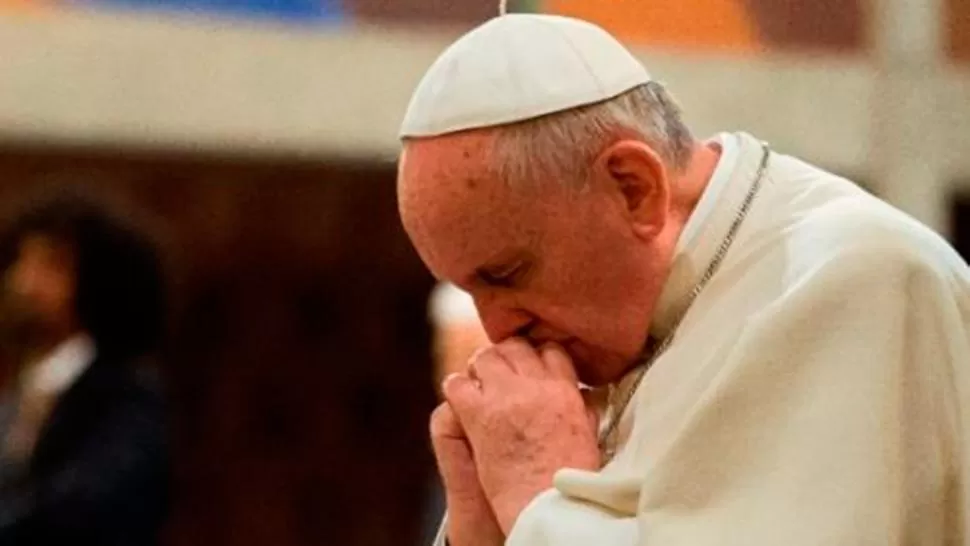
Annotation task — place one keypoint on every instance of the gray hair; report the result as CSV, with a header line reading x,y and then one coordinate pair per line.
x,y
562,146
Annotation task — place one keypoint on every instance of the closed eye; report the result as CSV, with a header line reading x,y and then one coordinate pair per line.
x,y
503,276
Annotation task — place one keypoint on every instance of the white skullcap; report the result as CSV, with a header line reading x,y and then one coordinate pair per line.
x,y
518,67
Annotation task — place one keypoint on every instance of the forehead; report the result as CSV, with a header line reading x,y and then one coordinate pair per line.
x,y
458,214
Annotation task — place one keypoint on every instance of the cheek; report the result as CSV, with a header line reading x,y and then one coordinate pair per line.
x,y
587,309
60,293
600,305
590,285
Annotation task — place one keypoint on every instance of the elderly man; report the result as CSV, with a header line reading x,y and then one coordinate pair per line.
x,y
775,356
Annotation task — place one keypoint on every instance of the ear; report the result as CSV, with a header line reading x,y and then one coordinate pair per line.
x,y
638,175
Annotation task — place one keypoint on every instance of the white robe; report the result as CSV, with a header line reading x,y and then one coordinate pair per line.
x,y
817,392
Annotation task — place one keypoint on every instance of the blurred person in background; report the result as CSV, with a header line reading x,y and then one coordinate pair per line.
x,y
83,443
458,333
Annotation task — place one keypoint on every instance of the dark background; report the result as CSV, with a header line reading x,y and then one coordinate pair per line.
x,y
300,365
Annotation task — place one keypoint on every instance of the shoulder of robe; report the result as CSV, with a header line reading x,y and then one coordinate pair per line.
x,y
859,232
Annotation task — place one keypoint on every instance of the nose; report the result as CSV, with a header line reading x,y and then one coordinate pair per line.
x,y
502,319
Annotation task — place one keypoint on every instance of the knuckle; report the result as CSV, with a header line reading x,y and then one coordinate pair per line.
x,y
478,353
487,360
443,421
488,353
441,412
516,347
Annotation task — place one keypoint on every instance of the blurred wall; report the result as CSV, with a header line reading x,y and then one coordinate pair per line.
x,y
458,332
241,86
739,26
300,365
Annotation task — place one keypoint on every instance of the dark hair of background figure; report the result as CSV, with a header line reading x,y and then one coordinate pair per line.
x,y
121,292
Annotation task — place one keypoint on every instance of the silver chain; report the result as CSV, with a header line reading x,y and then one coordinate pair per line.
x,y
608,438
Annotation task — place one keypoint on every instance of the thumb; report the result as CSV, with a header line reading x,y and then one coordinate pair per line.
x,y
452,451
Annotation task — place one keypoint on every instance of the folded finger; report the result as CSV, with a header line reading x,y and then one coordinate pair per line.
x,y
491,369
557,361
522,358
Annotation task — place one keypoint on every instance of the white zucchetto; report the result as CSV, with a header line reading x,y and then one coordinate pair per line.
x,y
518,67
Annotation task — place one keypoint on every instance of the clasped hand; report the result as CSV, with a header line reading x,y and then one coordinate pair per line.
x,y
508,424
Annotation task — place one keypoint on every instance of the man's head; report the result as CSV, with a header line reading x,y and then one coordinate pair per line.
x,y
561,227
73,264
40,287
543,173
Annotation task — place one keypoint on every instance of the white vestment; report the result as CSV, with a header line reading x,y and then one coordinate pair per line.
x,y
817,392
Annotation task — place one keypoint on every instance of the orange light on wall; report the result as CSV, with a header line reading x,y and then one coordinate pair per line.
x,y
958,29
697,24
27,5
